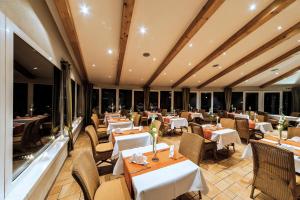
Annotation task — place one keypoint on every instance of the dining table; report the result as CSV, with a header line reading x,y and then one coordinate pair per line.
x,y
288,118
108,116
289,144
18,128
118,123
176,122
159,180
194,115
264,127
129,138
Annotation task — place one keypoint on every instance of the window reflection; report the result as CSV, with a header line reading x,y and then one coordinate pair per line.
x,y
138,101
252,101
153,100
95,100
165,100
287,103
271,102
178,105
36,104
206,101
193,100
125,98
219,101
108,100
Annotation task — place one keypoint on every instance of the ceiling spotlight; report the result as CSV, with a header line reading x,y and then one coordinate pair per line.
x,y
279,27
93,65
143,30
154,59
165,73
189,63
110,51
191,44
246,81
35,68
277,73
84,9
130,70
194,75
50,58
215,65
109,76
224,53
298,40
252,7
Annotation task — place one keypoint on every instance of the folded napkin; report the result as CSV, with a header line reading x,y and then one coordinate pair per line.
x,y
295,139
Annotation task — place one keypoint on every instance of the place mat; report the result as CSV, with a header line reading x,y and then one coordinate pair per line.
x,y
131,169
116,120
288,142
128,132
207,132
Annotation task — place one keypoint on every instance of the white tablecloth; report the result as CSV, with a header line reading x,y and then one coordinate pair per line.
x,y
241,116
111,115
225,137
264,127
152,114
178,122
130,142
288,118
165,183
248,153
115,125
194,115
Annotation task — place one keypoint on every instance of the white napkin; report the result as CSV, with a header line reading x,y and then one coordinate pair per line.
x,y
118,130
295,139
171,154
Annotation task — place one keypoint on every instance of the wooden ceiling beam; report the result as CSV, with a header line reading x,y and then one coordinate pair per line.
x,y
267,66
269,12
205,13
66,18
281,77
257,52
125,26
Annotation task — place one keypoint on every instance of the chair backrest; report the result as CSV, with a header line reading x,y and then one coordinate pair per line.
x,y
261,118
164,112
136,120
197,129
28,134
242,127
157,124
191,146
93,137
95,121
274,170
185,115
85,173
295,114
293,131
227,123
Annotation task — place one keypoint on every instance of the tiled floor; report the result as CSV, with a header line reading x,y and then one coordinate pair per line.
x,y
227,179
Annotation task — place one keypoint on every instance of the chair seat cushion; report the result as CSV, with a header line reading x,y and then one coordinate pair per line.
x,y
113,190
103,147
102,126
102,130
208,141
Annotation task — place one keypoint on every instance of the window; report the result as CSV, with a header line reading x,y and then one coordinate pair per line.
x,y
79,100
237,100
108,99
165,100
271,102
73,97
95,100
178,104
138,101
219,101
153,100
206,101
36,109
287,103
193,100
125,98
252,101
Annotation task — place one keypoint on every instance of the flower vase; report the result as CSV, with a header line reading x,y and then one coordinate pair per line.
x,y
280,137
155,158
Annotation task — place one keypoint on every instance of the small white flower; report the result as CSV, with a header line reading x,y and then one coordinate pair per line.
x,y
154,129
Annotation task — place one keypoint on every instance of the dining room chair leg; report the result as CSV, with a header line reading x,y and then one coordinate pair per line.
x,y
200,196
252,192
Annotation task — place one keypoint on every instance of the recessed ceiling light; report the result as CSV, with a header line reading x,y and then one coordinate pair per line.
x,y
242,73
252,7
35,68
109,51
215,65
277,73
194,75
224,53
279,27
146,54
189,63
165,73
154,59
274,70
84,9
50,58
93,65
143,30
298,40
199,81
246,81
220,67
130,70
191,44
171,80
109,76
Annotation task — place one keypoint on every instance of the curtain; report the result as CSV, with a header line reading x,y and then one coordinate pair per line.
x,y
185,98
146,97
228,96
296,99
88,102
68,101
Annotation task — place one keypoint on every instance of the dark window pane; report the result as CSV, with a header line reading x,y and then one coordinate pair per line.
x,y
153,100
42,99
219,101
252,101
79,100
95,99
20,92
237,100
125,97
206,101
108,100
165,100
73,98
178,105
138,101
271,102
193,100
287,103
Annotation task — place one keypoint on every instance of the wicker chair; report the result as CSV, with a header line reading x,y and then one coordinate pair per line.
x,y
101,152
185,115
164,112
295,114
274,172
144,118
136,119
242,126
261,118
101,131
227,123
208,144
191,146
293,131
85,173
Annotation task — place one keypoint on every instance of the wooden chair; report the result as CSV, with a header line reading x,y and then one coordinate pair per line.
x,y
228,123
209,145
242,126
274,172
261,118
101,151
86,175
293,131
144,118
191,146
101,132
22,141
295,114
185,115
164,112
136,119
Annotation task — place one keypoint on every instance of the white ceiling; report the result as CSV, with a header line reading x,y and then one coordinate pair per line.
x,y
165,21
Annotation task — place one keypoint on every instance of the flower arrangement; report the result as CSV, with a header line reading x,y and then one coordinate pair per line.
x,y
211,115
282,124
154,133
131,114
